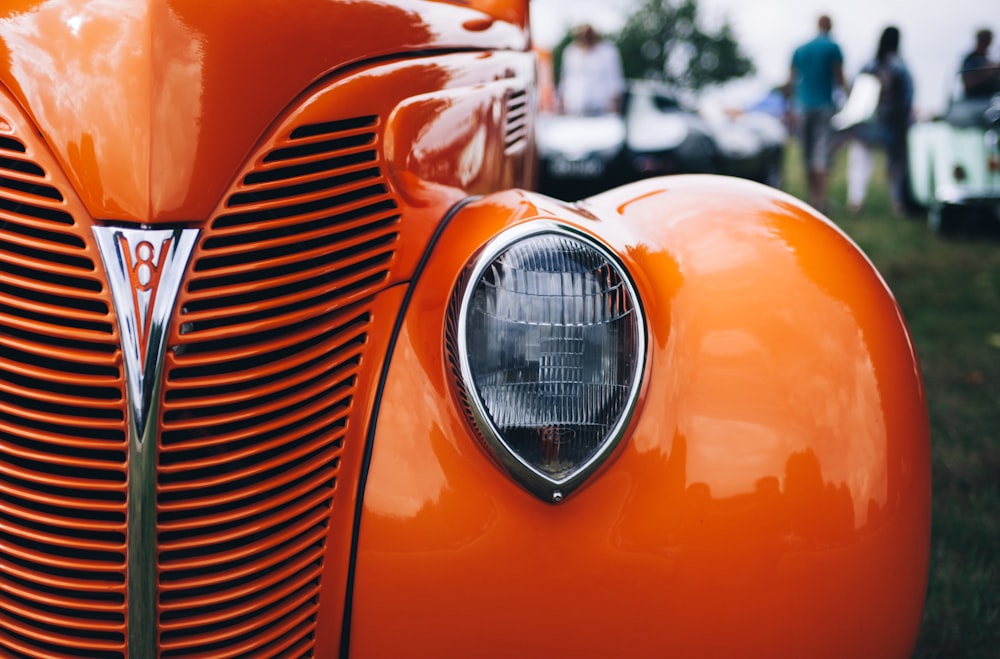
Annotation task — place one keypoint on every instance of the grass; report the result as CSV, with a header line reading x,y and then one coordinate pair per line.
x,y
949,291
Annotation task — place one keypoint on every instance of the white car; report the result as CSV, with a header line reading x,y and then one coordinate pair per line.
x,y
954,166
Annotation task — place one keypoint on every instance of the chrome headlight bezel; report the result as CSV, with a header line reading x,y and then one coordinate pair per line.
x,y
549,487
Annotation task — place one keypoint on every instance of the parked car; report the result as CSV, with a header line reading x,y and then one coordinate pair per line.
x,y
656,134
662,136
751,145
954,166
580,155
294,363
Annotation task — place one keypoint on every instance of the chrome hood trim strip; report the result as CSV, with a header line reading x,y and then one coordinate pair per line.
x,y
145,269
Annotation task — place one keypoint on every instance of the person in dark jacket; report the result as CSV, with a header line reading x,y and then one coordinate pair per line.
x,y
887,128
980,74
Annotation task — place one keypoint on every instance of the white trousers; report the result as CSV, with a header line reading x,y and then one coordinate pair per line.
x,y
860,164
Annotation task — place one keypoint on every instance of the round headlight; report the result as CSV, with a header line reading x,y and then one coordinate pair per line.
x,y
551,344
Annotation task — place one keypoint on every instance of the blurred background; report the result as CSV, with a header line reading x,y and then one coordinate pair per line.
x,y
935,36
724,57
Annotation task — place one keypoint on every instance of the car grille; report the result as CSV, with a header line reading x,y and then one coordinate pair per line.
x,y
62,429
516,116
265,351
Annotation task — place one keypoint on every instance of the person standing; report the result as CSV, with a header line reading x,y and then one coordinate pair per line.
x,y
591,81
817,71
980,74
887,129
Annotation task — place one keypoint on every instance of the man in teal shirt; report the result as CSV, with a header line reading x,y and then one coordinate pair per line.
x,y
817,71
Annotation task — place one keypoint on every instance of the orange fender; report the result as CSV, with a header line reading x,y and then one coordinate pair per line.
x,y
771,497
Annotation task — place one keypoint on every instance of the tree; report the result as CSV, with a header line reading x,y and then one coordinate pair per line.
x,y
664,40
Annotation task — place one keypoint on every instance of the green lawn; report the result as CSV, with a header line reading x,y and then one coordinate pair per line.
x,y
949,291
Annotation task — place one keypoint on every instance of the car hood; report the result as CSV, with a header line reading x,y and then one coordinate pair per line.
x,y
151,106
575,137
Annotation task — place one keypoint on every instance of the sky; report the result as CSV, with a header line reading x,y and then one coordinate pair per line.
x,y
934,36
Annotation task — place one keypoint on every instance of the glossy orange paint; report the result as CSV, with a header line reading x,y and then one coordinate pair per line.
x,y
772,495
771,499
129,94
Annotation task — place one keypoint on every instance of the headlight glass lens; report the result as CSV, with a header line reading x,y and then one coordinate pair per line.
x,y
552,344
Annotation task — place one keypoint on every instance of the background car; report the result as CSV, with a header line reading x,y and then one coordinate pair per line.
x,y
656,134
662,136
751,144
954,166
580,155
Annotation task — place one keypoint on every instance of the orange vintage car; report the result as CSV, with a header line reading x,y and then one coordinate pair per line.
x,y
294,363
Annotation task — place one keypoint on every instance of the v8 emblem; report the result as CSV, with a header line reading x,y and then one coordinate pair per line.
x,y
145,268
